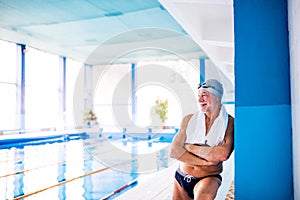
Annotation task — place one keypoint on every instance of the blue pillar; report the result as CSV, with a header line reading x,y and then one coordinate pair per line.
x,y
20,93
64,82
263,140
133,92
23,50
202,69
62,88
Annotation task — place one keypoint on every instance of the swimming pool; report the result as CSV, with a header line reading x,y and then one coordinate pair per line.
x,y
81,168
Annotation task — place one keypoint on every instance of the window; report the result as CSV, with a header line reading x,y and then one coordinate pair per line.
x,y
72,70
8,52
41,88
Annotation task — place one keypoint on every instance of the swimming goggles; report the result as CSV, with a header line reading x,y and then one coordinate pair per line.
x,y
205,85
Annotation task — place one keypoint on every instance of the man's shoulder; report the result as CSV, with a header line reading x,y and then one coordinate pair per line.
x,y
186,119
190,115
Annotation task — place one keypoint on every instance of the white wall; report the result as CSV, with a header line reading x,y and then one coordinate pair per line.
x,y
294,31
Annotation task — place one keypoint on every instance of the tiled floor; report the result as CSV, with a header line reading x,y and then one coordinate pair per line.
x,y
160,185
230,194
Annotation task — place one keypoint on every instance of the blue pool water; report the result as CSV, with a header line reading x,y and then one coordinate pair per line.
x,y
82,168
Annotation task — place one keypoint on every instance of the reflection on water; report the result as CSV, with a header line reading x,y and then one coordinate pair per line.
x,y
77,169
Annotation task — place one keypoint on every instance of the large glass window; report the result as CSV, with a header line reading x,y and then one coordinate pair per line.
x,y
41,88
72,70
168,81
8,59
110,81
112,97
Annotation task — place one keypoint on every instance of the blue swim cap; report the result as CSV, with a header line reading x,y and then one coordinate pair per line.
x,y
213,86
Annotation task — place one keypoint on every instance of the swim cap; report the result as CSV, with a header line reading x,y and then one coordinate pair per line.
x,y
213,86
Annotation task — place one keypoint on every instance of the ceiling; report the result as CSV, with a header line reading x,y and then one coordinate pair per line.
x,y
76,29
122,31
210,24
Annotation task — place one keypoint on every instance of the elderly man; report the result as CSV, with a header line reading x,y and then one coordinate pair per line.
x,y
204,141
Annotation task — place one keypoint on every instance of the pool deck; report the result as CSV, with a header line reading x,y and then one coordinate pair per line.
x,y
160,185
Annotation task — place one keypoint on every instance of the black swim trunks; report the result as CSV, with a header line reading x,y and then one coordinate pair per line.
x,y
188,182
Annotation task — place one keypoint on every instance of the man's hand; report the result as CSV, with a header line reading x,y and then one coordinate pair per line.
x,y
200,151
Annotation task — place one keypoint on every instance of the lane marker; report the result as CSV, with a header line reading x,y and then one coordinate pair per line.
x,y
134,181
67,181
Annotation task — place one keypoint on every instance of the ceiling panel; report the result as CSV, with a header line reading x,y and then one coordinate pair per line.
x,y
75,28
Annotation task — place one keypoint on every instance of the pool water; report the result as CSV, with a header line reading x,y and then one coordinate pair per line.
x,y
90,168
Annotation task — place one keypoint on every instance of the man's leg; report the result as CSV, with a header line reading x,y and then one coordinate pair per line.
x,y
207,188
178,192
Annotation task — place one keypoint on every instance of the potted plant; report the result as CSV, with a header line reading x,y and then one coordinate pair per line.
x,y
90,118
162,109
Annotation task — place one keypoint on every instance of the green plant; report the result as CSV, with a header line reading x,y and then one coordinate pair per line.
x,y
89,116
162,109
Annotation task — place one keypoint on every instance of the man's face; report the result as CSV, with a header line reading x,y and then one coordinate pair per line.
x,y
206,100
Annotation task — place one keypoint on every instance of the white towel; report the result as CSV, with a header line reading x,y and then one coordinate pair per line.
x,y
196,129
